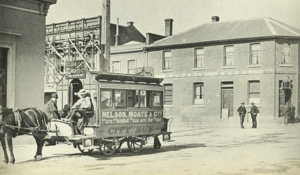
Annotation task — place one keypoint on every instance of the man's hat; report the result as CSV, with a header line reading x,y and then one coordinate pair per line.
x,y
252,102
243,103
54,95
82,92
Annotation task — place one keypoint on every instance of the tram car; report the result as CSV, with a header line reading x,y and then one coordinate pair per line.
x,y
127,108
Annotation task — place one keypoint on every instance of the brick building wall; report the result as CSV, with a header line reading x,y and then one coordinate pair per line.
x,y
183,75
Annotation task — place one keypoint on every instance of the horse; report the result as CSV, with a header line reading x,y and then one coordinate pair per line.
x,y
19,122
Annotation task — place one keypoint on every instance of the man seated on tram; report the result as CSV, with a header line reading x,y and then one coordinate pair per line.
x,y
81,109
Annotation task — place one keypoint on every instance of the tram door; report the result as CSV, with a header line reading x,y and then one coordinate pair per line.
x,y
3,76
74,87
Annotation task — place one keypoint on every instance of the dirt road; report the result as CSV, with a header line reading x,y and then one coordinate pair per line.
x,y
222,149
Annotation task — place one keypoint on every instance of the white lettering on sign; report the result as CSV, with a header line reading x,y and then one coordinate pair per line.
x,y
130,130
119,117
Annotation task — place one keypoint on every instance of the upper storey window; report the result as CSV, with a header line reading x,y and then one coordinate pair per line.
x,y
131,66
254,54
199,58
115,67
286,54
167,60
229,56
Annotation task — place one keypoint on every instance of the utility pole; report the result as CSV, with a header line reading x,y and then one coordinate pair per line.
x,y
105,37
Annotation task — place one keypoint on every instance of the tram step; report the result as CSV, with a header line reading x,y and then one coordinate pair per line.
x,y
79,137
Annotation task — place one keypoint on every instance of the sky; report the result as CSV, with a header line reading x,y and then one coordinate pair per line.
x,y
149,15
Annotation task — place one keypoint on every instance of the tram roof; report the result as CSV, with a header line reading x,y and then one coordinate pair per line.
x,y
127,77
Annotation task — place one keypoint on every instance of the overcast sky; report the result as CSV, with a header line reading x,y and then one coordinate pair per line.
x,y
149,15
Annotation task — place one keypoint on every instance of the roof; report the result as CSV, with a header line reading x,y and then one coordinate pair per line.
x,y
127,77
231,30
132,46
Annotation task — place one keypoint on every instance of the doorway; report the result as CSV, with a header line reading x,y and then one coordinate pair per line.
x,y
3,76
74,87
285,95
227,99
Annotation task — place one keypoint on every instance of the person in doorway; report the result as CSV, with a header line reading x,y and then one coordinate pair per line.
x,y
242,111
78,110
50,108
253,111
292,113
286,112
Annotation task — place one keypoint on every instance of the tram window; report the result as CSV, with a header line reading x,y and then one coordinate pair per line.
x,y
133,98
120,98
144,99
156,96
106,99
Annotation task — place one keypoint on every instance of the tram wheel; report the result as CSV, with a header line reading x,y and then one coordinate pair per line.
x,y
85,151
107,148
134,145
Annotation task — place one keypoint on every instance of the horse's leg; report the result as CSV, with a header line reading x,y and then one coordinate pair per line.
x,y
8,137
3,143
39,143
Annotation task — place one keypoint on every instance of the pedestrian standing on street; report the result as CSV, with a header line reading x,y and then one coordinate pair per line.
x,y
50,108
51,111
242,111
253,111
286,112
292,113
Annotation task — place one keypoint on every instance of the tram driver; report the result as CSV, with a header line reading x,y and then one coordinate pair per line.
x,y
81,109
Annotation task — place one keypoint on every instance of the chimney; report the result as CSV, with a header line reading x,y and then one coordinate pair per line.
x,y
168,27
215,19
130,23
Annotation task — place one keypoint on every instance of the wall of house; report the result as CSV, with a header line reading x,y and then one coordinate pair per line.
x,y
139,57
183,75
26,55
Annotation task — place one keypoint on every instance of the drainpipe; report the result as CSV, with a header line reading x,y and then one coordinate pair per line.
x,y
275,88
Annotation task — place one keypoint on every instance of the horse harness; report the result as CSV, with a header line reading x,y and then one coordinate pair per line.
x,y
19,120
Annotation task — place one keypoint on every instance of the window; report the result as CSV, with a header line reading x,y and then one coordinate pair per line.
x,y
115,67
133,98
167,60
254,92
168,94
229,56
144,99
198,93
106,99
131,66
255,54
286,53
199,58
156,96
120,98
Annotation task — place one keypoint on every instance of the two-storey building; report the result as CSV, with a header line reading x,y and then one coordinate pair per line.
x,y
210,69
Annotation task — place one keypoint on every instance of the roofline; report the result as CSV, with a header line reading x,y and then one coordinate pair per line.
x,y
134,50
266,19
227,41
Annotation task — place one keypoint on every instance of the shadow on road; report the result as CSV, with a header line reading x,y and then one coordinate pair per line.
x,y
147,150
